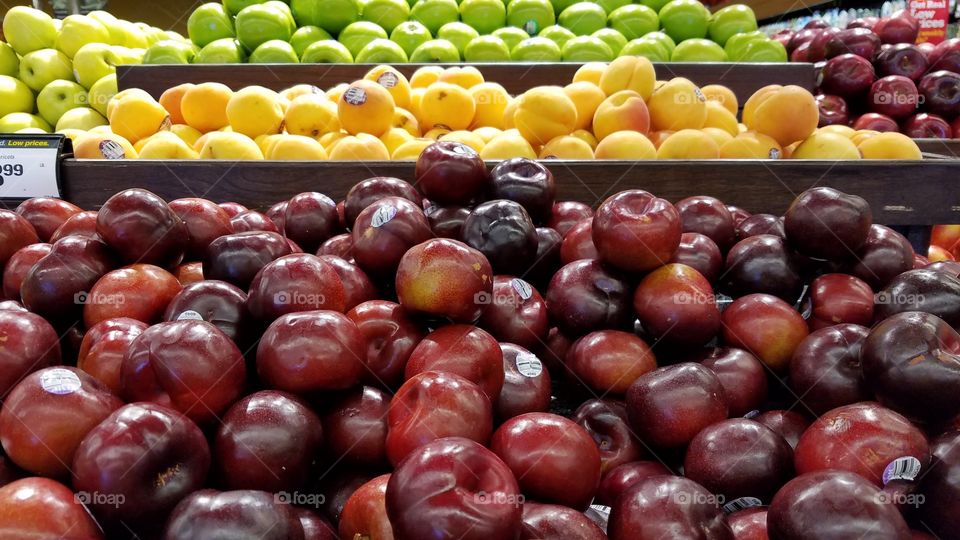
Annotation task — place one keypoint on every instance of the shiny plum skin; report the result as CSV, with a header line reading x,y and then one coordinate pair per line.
x,y
236,258
15,233
365,513
584,296
825,223
635,231
384,231
241,514
463,350
55,286
295,283
743,377
555,522
19,265
374,189
504,232
205,222
763,264
825,369
29,344
526,384
141,228
700,253
355,427
710,217
526,182
621,477
47,214
608,361
565,214
665,507
217,302
44,508
606,422
840,298
310,219
139,291
444,278
390,335
516,313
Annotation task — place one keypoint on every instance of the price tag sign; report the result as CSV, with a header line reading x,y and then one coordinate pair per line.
x,y
30,165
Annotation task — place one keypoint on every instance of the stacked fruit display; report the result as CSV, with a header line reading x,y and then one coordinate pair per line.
x,y
393,31
214,375
61,74
875,77
609,111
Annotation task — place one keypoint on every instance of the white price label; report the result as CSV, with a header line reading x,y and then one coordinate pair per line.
x,y
28,166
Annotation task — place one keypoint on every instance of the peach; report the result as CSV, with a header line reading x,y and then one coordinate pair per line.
x,y
719,136
204,106
545,112
722,95
185,132
688,144
448,106
466,137
839,129
103,146
166,145
416,98
789,149
486,134
821,145
586,136
136,117
170,99
330,139
334,93
624,110
411,150
298,90
111,105
566,147
425,76
586,97
359,147
863,134
677,105
719,117
626,145
786,113
629,73
406,121
508,144
266,142
296,147
491,100
232,146
394,137
436,133
657,137
590,72
890,145
466,77
751,145
255,111
508,113
311,115
394,81
366,107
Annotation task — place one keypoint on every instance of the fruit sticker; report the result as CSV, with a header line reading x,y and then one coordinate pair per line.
x,y
531,27
902,468
741,504
111,150
529,365
190,315
522,287
388,79
60,381
774,153
382,216
355,96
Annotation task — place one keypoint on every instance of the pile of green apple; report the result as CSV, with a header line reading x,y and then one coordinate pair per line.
x,y
59,75
426,31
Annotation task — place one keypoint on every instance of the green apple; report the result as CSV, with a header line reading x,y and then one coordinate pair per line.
x,y
655,5
356,36
14,122
486,49
650,49
175,35
435,13
586,49
663,39
170,52
458,33
560,5
101,92
260,23
483,15
14,96
236,6
634,21
327,51
736,45
381,51
27,30
83,118
132,36
9,61
730,21
40,68
221,51
511,35
557,34
436,51
611,37
386,13
583,18
530,15
698,50
77,31
410,35
93,62
766,50
126,55
610,5
209,22
684,19
153,34
331,15
536,49
274,52
306,35
111,23
59,97
285,9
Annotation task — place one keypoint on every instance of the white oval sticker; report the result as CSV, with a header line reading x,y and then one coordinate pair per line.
x,y
111,150
522,287
529,365
382,216
388,79
355,96
60,381
190,315
902,468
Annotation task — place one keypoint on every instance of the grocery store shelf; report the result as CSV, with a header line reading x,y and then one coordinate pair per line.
x,y
743,79
900,192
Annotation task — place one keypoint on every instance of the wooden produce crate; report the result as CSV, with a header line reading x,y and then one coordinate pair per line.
x,y
743,79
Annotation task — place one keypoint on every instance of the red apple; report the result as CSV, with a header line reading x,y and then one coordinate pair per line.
x,y
833,110
636,231
526,384
142,228
766,326
539,448
444,278
47,214
457,486
29,344
898,27
927,126
895,96
904,59
608,361
44,508
463,350
876,122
